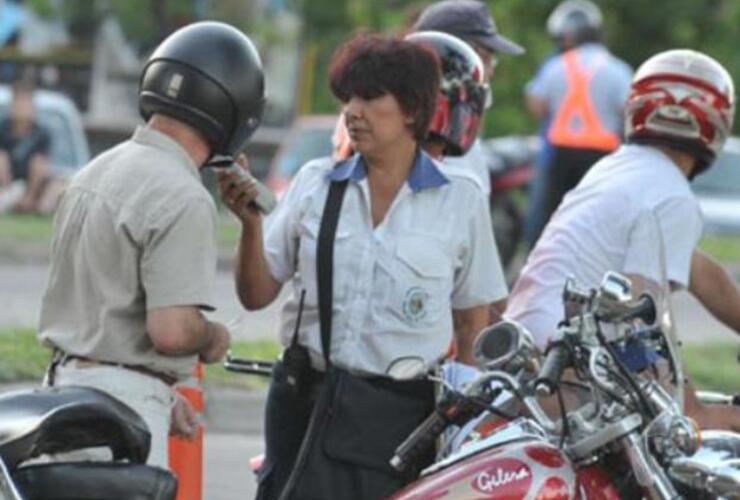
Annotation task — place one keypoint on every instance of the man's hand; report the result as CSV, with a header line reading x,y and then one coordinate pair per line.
x,y
715,288
183,419
716,417
218,345
238,193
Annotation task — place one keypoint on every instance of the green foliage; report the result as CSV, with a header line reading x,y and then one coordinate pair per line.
x,y
713,367
25,228
725,249
229,231
81,17
141,24
635,30
145,22
43,8
138,27
37,230
21,356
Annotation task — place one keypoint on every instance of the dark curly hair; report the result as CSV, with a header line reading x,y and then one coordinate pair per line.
x,y
369,66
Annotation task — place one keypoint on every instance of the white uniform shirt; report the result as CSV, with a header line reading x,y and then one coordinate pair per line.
x,y
595,230
396,284
475,164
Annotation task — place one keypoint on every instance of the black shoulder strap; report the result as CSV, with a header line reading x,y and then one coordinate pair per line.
x,y
325,262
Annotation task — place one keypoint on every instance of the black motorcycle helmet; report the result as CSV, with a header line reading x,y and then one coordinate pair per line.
x,y
575,22
209,76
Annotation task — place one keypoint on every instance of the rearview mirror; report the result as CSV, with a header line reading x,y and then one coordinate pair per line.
x,y
616,288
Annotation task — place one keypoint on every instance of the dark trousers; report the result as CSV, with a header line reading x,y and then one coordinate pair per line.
x,y
286,421
566,169
352,443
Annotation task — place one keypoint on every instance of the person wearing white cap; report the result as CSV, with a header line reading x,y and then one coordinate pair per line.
x,y
580,93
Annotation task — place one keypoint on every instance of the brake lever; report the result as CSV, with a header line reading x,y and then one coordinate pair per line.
x,y
249,366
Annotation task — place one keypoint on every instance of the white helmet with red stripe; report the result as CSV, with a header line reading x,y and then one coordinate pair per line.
x,y
463,91
683,99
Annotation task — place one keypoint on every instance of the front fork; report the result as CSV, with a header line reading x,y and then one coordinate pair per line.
x,y
649,475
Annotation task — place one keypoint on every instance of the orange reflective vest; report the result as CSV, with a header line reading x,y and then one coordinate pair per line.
x,y
341,141
576,123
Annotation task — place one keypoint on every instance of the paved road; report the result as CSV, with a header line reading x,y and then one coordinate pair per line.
x,y
234,426
227,475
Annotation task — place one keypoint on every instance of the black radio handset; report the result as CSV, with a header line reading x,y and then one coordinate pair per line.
x,y
265,201
296,361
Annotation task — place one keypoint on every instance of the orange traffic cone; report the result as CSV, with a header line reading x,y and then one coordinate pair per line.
x,y
186,457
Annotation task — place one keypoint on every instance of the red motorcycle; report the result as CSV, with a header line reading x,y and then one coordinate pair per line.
x,y
630,439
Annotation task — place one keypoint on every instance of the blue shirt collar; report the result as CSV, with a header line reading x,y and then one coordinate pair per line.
x,y
424,173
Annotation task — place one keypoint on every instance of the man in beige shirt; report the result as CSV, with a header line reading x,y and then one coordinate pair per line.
x,y
134,246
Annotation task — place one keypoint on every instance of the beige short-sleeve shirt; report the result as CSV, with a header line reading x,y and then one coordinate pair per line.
x,y
135,230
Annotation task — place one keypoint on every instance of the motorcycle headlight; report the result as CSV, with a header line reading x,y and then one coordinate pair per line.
x,y
675,436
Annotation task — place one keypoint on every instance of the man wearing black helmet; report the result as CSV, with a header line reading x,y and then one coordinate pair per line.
x,y
134,250
471,21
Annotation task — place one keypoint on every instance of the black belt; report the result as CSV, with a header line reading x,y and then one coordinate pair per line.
x,y
61,358
411,387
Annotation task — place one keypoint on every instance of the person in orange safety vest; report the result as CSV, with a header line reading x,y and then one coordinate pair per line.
x,y
582,91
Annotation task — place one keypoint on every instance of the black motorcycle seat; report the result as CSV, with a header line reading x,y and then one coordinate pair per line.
x,y
66,418
95,481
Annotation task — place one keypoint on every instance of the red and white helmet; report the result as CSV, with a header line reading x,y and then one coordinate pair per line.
x,y
463,91
683,99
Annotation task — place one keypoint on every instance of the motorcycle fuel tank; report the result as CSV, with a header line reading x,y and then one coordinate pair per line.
x,y
521,470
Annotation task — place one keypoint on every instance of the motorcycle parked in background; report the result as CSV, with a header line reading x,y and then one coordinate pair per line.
x,y
57,420
510,162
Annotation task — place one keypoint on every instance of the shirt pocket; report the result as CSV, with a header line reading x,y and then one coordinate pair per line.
x,y
307,255
423,281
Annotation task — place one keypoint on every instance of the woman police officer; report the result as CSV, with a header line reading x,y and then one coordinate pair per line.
x,y
413,255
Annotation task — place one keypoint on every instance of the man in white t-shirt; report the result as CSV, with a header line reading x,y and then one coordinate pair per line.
x,y
678,116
